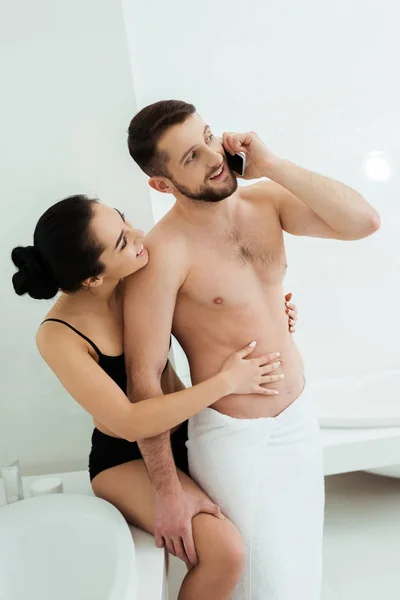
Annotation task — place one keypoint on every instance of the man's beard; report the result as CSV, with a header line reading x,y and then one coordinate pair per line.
x,y
207,193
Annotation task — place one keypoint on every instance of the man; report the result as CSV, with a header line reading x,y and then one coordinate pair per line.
x,y
215,276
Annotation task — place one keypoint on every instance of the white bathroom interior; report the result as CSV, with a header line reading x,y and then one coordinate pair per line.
x,y
318,81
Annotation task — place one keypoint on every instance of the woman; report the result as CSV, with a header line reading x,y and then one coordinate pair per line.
x,y
79,249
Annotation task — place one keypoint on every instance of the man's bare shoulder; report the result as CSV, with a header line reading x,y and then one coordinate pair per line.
x,y
166,235
265,191
167,251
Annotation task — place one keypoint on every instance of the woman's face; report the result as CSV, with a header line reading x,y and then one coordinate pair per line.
x,y
124,250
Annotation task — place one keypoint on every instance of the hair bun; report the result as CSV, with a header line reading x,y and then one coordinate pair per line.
x,y
33,276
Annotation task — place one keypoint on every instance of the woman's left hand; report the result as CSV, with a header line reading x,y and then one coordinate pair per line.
x,y
292,313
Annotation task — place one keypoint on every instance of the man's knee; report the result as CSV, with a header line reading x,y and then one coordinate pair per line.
x,y
219,545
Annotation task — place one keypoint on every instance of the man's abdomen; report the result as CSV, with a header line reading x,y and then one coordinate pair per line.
x,y
208,347
252,406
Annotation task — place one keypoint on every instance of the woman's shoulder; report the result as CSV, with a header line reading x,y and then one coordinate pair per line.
x,y
57,331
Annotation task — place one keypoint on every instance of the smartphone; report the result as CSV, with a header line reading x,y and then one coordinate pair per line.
x,y
237,162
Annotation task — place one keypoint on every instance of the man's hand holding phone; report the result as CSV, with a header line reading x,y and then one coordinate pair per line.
x,y
257,156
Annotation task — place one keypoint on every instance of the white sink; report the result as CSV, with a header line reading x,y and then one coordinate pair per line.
x,y
65,547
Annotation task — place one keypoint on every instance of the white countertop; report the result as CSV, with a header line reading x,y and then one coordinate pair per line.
x,y
347,450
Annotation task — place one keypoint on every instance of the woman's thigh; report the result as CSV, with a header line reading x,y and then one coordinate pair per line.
x,y
129,489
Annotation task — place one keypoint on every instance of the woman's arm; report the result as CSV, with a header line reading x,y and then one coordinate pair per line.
x,y
101,397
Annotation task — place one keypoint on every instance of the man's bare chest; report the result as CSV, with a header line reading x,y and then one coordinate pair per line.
x,y
232,268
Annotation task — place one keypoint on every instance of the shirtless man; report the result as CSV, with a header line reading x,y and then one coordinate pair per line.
x,y
215,279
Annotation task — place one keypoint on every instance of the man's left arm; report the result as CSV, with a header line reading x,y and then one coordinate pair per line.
x,y
313,205
309,204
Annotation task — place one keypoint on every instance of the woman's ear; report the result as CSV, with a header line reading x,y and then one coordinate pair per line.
x,y
93,282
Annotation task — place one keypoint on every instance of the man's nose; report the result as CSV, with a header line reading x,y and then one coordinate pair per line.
x,y
214,158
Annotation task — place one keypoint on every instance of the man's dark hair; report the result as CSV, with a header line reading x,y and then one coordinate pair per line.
x,y
147,128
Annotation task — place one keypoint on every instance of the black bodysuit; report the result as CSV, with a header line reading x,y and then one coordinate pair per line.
x,y
108,451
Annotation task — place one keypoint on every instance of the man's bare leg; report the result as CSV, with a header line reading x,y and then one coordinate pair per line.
x,y
218,543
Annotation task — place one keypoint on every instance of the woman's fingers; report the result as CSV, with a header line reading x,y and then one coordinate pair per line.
x,y
265,391
271,378
268,368
267,358
243,352
268,378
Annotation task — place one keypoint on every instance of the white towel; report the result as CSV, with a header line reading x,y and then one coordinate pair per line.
x,y
267,476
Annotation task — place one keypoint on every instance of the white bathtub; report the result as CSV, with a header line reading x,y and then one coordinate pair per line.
x,y
367,402
113,562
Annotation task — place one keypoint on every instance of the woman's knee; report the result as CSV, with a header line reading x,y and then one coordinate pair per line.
x,y
219,545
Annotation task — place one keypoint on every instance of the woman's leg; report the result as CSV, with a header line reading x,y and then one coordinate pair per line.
x,y
218,543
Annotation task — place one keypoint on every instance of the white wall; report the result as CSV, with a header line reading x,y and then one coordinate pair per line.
x,y
66,101
317,80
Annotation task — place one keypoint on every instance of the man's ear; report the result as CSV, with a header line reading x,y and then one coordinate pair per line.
x,y
161,184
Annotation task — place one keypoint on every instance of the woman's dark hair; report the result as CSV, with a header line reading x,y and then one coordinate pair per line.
x,y
64,252
146,129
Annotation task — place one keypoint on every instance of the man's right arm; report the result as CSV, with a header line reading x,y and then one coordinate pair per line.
x,y
149,304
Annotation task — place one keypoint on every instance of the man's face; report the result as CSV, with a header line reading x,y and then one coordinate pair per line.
x,y
197,165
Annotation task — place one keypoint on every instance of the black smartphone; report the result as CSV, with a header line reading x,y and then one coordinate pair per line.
x,y
237,162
